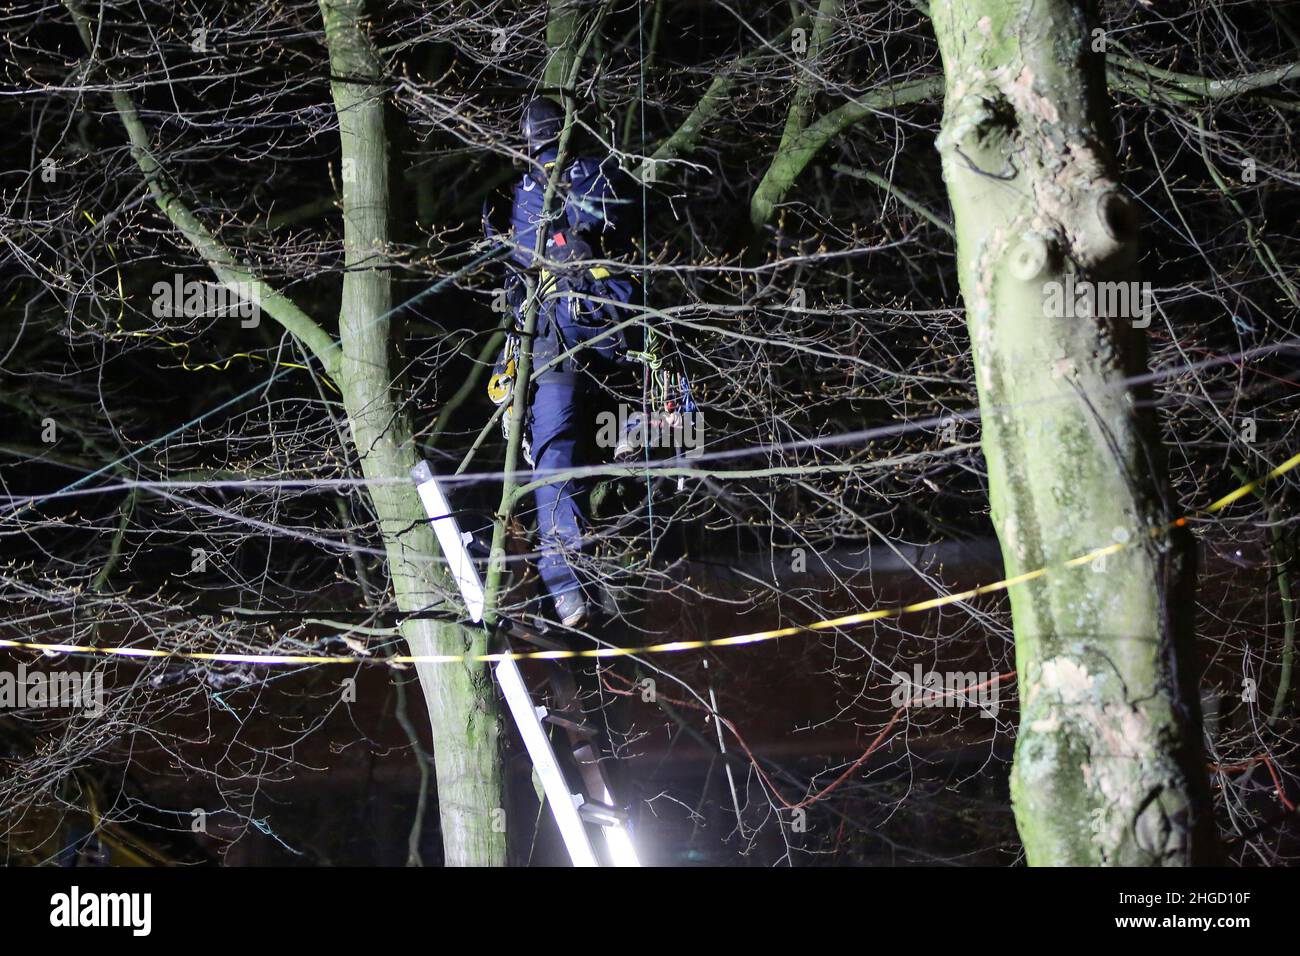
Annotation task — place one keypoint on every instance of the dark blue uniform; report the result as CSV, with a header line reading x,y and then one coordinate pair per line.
x,y
561,408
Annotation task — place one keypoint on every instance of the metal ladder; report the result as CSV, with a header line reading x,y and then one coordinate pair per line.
x,y
591,808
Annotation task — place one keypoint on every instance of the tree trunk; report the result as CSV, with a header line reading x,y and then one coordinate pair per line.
x,y
1109,767
460,697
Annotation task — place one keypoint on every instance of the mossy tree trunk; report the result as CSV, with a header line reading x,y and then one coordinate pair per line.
x,y
1108,763
460,698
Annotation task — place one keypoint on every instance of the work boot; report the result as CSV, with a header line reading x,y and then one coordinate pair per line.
x,y
571,608
630,440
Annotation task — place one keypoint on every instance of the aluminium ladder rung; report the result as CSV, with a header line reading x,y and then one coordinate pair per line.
x,y
602,814
581,728
564,803
572,811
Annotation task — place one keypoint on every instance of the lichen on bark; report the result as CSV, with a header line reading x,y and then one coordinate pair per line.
x,y
1107,766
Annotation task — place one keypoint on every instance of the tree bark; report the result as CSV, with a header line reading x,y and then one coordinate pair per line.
x,y
796,152
1109,767
807,78
460,698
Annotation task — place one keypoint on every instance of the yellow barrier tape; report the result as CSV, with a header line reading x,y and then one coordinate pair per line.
x,y
662,648
184,347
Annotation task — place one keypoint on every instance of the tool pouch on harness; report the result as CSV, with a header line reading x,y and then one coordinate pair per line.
x,y
501,383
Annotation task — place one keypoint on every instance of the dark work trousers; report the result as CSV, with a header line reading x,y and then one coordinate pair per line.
x,y
559,421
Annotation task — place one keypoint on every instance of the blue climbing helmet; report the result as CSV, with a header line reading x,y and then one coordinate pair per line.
x,y
541,124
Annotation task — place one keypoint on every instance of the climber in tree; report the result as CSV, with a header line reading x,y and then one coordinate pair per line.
x,y
577,341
